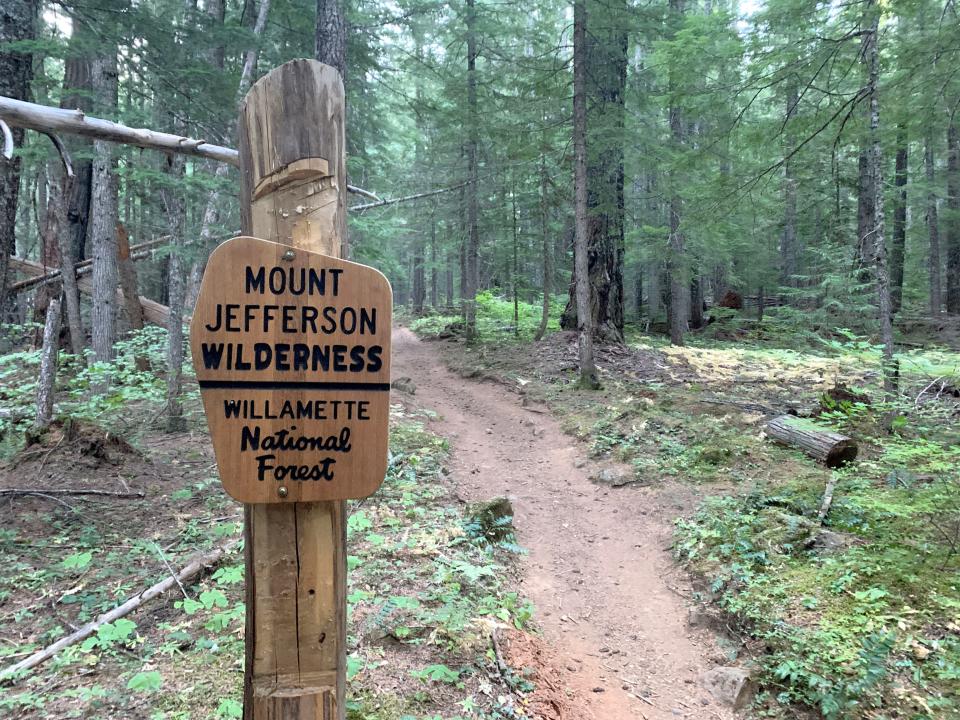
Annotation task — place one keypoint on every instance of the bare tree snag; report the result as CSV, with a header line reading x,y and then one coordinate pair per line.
x,y
128,279
830,448
293,175
188,573
48,365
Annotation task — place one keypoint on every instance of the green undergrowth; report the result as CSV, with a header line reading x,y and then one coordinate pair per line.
x,y
495,318
426,587
857,617
135,399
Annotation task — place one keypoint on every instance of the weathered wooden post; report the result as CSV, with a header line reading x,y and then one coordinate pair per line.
x,y
292,351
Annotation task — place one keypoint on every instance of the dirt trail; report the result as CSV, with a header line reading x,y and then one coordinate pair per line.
x,y
607,593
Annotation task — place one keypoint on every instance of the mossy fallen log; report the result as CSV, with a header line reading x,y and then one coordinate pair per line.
x,y
832,449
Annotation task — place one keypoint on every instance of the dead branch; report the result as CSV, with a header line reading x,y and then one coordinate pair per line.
x,y
406,198
190,571
7,140
53,493
50,119
827,498
137,252
62,151
360,191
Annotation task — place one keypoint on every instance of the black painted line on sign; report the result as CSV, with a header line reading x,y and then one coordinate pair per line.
x,y
294,385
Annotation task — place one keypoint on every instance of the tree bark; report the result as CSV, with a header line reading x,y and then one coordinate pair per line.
x,y
18,19
788,246
899,240
874,238
331,36
103,217
46,383
472,190
547,255
433,260
676,260
588,370
830,448
175,206
933,231
605,56
953,218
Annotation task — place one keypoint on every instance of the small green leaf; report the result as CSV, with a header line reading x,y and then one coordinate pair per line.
x,y
145,681
77,561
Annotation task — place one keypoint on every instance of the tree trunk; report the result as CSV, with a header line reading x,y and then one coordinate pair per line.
x,y
871,55
933,231
103,216
582,285
175,206
449,278
515,280
128,280
830,448
676,261
419,291
433,260
788,246
331,36
953,218
899,240
696,301
18,20
46,383
71,293
547,255
605,56
472,190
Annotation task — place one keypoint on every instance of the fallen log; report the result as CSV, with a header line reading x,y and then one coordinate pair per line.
x,y
830,448
84,267
152,311
187,574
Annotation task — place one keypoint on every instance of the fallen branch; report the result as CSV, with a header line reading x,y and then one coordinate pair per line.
x,y
189,571
62,151
45,119
152,311
360,191
52,493
827,498
137,252
7,140
49,120
407,198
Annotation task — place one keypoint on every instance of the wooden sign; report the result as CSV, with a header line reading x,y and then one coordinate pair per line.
x,y
292,354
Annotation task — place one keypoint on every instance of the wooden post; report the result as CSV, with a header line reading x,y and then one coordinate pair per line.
x,y
293,191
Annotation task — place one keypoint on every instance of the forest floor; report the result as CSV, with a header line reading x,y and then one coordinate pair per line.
x,y
851,612
609,596
658,534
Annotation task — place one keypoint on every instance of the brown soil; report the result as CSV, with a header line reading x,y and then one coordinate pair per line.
x,y
610,599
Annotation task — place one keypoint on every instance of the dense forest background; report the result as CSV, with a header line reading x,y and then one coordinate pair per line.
x,y
780,153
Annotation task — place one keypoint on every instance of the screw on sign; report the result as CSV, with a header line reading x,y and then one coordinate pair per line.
x,y
292,354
